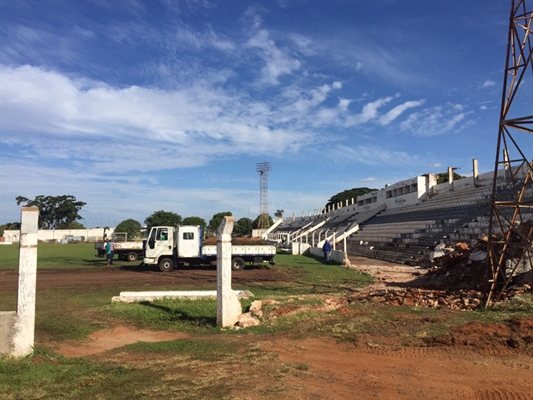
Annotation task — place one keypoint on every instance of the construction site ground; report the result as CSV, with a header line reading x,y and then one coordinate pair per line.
x,y
482,361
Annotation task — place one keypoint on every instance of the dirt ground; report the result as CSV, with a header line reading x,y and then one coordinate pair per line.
x,y
477,361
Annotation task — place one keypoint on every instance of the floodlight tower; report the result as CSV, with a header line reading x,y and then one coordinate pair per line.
x,y
263,169
510,224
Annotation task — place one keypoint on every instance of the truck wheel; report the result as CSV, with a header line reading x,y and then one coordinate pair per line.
x,y
166,265
237,264
131,256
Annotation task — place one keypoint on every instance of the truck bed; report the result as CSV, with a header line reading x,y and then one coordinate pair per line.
x,y
121,245
237,250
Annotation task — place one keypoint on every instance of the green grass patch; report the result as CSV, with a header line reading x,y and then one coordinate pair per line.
x,y
60,327
54,256
183,315
201,349
45,376
192,371
308,275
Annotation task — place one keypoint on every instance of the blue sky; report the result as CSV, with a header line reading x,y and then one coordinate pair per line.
x,y
136,106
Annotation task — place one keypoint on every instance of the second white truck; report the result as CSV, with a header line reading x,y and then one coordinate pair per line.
x,y
167,246
126,251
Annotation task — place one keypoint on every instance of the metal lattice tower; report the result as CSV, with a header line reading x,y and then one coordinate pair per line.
x,y
511,224
263,169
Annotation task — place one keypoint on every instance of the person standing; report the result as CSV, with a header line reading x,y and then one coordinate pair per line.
x,y
326,249
110,251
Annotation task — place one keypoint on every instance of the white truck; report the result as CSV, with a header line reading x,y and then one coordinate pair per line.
x,y
167,246
126,251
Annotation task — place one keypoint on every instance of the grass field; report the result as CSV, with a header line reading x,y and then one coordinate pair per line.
x,y
211,362
54,256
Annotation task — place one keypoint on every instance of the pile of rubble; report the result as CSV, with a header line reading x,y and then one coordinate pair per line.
x,y
457,300
462,267
456,278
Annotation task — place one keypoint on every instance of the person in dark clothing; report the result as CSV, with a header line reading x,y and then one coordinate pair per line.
x,y
326,249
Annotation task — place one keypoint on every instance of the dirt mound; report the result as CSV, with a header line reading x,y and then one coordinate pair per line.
x,y
518,334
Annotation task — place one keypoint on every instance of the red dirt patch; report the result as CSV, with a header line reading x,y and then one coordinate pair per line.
x,y
343,372
109,339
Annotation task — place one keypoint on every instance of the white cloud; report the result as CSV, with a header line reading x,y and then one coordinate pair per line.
x,y
435,120
369,112
344,104
204,40
399,110
277,61
371,155
197,120
488,83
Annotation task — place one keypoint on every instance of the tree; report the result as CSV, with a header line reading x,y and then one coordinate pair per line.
x,y
349,194
214,223
243,227
255,224
194,221
279,213
163,218
55,212
131,227
9,226
443,177
76,225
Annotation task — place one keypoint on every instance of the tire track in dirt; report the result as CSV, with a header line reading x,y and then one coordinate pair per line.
x,y
503,394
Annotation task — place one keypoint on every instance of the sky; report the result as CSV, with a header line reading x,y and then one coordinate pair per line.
x,y
135,106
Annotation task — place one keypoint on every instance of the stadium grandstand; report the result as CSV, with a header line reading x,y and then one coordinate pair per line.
x,y
405,222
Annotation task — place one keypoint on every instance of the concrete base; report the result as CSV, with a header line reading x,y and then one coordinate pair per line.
x,y
7,331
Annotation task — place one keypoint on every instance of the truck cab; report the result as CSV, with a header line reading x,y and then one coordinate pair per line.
x,y
166,244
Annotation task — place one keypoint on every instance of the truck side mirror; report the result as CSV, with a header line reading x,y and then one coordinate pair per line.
x,y
151,243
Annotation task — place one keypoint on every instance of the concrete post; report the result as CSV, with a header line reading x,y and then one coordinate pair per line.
x,y
24,334
228,305
475,170
507,164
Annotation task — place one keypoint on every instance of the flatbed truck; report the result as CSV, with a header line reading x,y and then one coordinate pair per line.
x,y
167,246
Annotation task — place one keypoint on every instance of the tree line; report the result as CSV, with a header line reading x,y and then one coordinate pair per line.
x,y
62,212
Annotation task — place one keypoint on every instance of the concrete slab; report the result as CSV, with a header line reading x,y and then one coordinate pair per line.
x,y
134,297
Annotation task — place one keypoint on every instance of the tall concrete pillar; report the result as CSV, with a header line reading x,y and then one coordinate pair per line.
x,y
228,305
450,175
24,333
475,170
507,164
